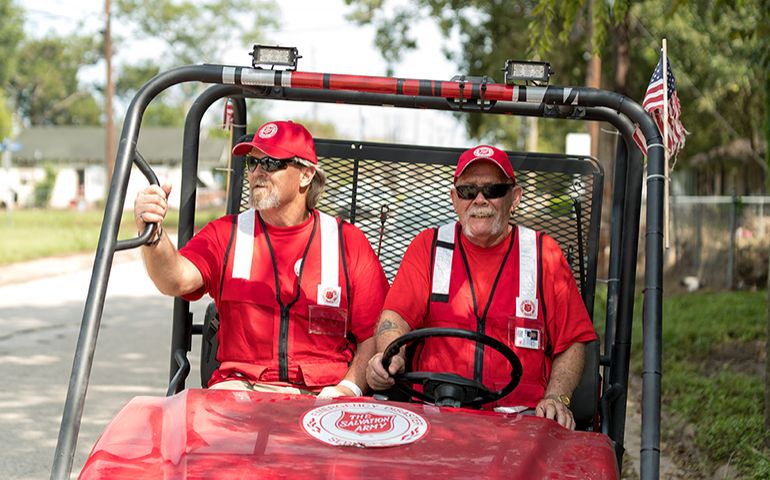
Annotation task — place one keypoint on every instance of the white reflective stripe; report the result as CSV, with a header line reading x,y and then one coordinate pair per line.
x,y
252,76
515,94
535,94
228,75
286,82
330,251
446,233
244,245
442,264
527,263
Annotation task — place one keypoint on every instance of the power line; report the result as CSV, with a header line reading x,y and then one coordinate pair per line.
x,y
61,16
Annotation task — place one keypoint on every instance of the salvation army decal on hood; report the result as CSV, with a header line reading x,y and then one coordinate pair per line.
x,y
360,424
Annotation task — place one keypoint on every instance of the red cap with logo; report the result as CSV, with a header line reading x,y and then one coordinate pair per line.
x,y
486,153
282,140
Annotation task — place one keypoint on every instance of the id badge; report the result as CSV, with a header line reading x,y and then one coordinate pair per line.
x,y
331,321
524,333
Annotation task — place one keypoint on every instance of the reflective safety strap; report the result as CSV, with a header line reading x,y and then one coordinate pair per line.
x,y
330,251
526,303
244,245
442,263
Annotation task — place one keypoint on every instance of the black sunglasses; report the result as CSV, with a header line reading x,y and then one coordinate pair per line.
x,y
492,190
267,164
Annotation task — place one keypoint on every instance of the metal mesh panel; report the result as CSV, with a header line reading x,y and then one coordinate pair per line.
x,y
392,199
552,202
408,197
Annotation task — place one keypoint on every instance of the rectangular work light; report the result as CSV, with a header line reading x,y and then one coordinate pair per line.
x,y
520,71
275,56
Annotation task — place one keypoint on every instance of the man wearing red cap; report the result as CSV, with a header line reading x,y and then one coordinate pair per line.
x,y
506,281
298,292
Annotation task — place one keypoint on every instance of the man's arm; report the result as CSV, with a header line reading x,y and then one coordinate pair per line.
x,y
565,375
356,373
389,327
172,273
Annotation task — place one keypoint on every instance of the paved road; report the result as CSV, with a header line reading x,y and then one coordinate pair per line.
x,y
39,325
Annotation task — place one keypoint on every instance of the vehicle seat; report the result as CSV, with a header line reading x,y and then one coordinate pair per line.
x,y
585,398
209,344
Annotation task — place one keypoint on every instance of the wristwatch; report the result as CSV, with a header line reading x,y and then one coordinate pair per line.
x,y
562,398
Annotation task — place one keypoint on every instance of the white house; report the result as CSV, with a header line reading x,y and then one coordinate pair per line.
x,y
76,155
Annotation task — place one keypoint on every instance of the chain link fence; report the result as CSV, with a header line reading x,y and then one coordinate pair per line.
x,y
723,241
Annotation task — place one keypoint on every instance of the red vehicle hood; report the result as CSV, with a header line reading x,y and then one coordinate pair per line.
x,y
209,434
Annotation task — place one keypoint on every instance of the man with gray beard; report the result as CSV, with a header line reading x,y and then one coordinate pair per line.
x,y
298,292
506,281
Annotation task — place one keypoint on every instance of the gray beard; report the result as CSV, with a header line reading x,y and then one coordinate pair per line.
x,y
497,226
265,203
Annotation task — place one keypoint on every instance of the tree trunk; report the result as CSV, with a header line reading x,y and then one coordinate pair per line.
x,y
622,57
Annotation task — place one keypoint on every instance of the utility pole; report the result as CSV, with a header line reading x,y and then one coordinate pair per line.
x,y
594,80
109,134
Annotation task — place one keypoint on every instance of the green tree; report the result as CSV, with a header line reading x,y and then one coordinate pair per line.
x,y
191,33
480,36
45,89
715,50
11,34
197,32
167,111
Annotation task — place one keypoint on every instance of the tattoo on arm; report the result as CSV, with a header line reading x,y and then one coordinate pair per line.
x,y
384,326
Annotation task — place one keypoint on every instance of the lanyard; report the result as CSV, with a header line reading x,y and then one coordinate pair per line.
x,y
283,338
478,367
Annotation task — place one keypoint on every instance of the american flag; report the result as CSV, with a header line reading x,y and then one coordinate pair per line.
x,y
227,122
653,104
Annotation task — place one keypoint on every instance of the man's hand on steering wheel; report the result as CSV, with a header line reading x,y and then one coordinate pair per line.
x,y
376,375
442,389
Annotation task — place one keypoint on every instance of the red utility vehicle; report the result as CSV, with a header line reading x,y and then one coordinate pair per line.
x,y
390,192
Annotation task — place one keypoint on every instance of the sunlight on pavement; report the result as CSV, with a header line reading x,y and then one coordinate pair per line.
x,y
31,360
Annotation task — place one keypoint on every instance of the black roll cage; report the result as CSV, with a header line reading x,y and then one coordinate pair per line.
x,y
587,104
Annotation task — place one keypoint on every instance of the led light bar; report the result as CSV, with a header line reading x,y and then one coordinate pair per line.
x,y
526,71
275,56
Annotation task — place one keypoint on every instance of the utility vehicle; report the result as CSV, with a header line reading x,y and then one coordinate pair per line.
x,y
392,192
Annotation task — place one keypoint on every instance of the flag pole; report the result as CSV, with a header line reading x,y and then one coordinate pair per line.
x,y
667,180
229,126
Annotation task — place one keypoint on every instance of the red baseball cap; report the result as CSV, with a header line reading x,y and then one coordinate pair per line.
x,y
487,153
282,139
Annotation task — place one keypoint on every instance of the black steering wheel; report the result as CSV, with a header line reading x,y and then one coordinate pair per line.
x,y
451,389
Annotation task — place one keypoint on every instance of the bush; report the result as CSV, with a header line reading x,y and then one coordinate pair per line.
x,y
43,189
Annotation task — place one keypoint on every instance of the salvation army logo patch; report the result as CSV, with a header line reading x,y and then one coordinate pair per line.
x,y
268,130
329,295
528,307
483,152
360,424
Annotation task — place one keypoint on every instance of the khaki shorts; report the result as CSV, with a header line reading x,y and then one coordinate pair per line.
x,y
259,387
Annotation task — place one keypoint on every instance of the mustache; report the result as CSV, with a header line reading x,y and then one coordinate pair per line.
x,y
480,212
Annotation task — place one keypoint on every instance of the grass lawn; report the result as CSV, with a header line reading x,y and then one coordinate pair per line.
x,y
32,234
713,351
713,379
